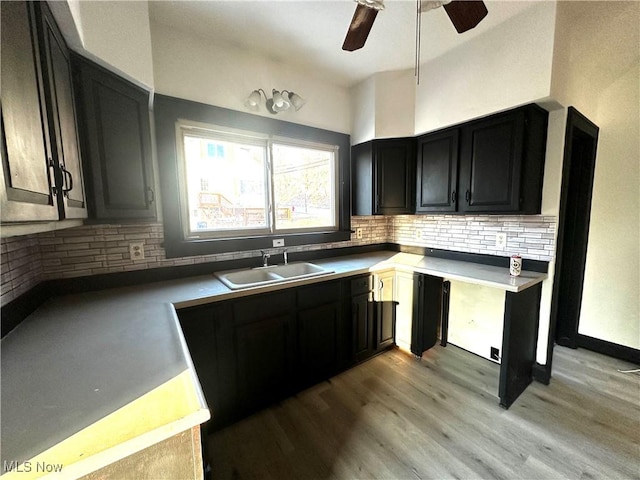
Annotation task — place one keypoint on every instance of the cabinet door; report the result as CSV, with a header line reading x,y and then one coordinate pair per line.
x,y
318,342
362,315
263,340
117,146
27,180
362,188
394,176
385,310
264,360
491,163
437,172
404,310
62,117
427,312
199,326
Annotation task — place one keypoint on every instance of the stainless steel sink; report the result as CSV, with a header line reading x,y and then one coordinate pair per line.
x,y
255,277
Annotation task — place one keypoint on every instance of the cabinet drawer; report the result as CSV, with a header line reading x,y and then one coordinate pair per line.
x,y
321,294
361,285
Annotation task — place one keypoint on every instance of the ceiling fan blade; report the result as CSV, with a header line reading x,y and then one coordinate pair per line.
x,y
464,14
359,28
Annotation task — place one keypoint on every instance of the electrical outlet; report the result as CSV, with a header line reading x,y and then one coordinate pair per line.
x,y
136,250
501,240
278,242
359,233
495,354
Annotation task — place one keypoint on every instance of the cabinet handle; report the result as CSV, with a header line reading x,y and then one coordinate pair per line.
x,y
57,180
67,175
467,196
381,285
151,195
453,197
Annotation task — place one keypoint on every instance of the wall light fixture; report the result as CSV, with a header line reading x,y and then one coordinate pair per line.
x,y
280,101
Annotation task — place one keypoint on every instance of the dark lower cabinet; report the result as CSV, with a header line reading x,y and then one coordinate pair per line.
x,y
255,350
203,329
362,314
264,350
363,326
427,312
373,322
318,341
264,342
321,332
386,324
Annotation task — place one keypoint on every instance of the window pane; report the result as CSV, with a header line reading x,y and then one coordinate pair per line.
x,y
226,187
304,190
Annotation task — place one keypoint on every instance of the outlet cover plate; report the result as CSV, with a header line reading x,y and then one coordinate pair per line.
x,y
136,250
501,240
495,354
358,233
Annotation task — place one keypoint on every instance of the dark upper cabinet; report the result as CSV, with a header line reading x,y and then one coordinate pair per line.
x,y
41,168
437,172
383,177
490,165
62,116
116,144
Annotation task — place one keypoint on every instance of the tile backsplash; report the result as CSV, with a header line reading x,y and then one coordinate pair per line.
x,y
531,236
97,249
20,266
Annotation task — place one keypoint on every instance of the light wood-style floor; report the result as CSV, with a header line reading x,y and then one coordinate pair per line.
x,y
396,417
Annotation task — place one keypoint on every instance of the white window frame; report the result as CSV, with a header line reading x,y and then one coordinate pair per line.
x,y
217,133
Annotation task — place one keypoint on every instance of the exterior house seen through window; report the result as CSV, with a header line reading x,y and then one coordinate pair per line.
x,y
239,185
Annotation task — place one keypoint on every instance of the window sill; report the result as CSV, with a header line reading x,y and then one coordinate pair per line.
x,y
188,248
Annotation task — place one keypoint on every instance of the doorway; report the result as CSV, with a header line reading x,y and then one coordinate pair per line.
x,y
581,139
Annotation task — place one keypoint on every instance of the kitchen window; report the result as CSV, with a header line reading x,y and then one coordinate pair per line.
x,y
237,184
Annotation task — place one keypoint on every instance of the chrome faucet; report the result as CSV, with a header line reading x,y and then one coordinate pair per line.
x,y
265,258
285,256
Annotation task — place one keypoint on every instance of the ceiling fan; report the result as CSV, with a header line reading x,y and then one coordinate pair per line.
x,y
464,15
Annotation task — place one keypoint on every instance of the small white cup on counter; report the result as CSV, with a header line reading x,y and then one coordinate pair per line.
x,y
515,266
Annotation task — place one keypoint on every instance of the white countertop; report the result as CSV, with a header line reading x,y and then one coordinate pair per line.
x,y
80,359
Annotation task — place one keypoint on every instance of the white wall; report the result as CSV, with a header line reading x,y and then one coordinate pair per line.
x,y
507,66
363,111
476,318
117,34
395,103
383,106
596,70
194,68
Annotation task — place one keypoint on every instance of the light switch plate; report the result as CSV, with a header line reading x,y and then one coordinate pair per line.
x,y
501,240
278,242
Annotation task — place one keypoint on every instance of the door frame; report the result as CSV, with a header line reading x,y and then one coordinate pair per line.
x,y
575,121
